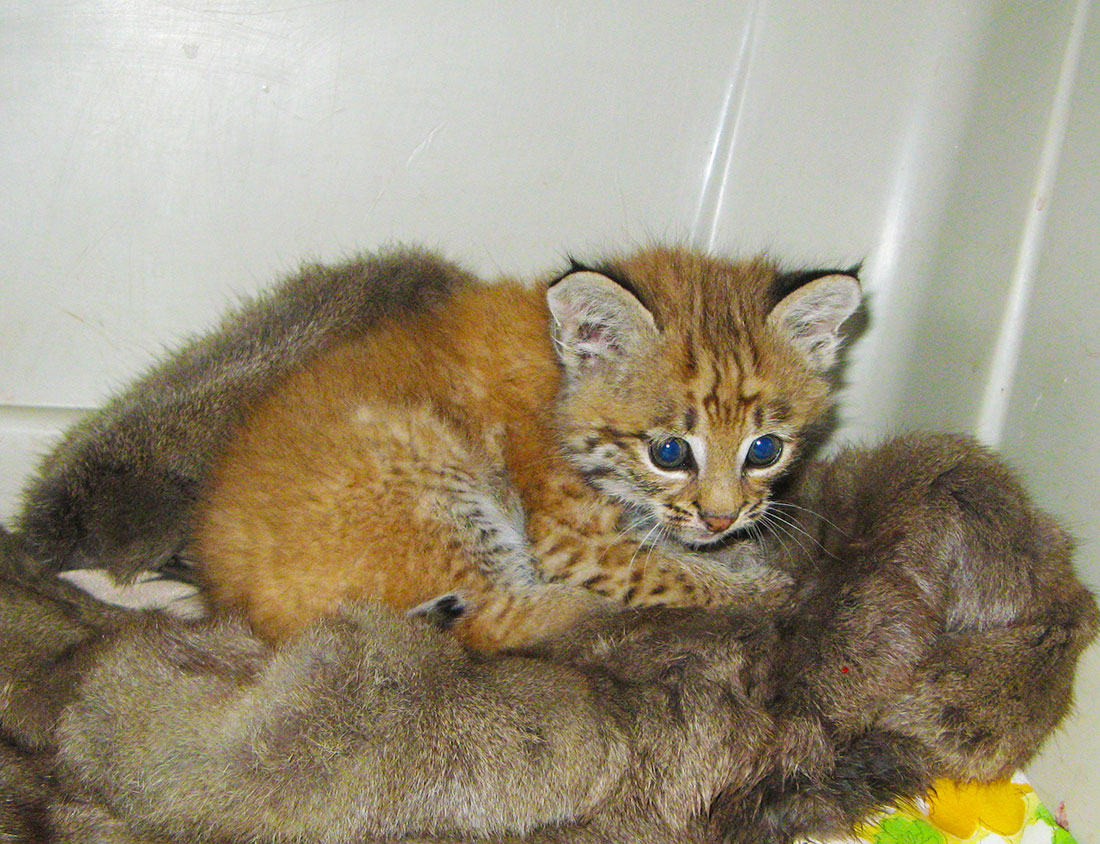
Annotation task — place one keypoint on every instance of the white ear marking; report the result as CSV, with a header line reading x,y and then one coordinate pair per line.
x,y
596,322
811,315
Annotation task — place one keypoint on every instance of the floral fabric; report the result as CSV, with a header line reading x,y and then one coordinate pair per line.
x,y
1006,812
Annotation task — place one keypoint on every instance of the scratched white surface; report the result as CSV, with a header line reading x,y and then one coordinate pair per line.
x,y
157,159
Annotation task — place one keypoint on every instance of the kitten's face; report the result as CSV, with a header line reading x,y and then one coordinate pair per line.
x,y
689,407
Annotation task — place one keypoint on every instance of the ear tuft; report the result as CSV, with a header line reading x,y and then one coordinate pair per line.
x,y
811,315
596,322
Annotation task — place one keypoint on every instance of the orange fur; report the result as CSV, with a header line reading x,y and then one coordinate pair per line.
x,y
343,482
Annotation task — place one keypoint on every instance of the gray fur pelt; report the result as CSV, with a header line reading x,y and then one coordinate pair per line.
x,y
933,631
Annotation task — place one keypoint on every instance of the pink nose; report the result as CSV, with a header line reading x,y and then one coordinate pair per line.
x,y
717,524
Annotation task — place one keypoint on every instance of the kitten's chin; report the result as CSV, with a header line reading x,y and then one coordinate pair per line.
x,y
711,543
705,540
701,540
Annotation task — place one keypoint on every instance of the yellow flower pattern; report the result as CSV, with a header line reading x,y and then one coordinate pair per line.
x,y
963,810
1006,812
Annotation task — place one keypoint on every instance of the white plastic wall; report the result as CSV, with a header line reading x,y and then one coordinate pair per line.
x,y
157,160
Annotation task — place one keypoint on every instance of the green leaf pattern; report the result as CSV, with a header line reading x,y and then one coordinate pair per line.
x,y
900,830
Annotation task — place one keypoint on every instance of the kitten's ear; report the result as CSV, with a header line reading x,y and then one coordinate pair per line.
x,y
810,316
596,321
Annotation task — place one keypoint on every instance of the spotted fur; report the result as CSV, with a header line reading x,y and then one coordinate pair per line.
x,y
392,465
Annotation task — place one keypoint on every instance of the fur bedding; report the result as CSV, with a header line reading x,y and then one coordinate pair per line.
x,y
941,646
133,727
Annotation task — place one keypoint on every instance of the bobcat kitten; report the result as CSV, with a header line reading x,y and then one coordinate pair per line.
x,y
602,429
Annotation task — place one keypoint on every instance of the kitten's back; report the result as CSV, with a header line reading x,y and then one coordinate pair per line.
x,y
366,471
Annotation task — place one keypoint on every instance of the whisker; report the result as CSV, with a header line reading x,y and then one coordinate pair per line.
x,y
641,544
779,525
797,527
753,531
663,530
814,513
630,528
757,531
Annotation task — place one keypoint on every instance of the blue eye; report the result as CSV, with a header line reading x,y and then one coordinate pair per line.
x,y
670,453
764,451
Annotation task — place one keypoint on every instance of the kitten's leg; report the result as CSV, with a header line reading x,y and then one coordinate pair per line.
x,y
519,607
490,518
593,566
414,508
505,619
582,543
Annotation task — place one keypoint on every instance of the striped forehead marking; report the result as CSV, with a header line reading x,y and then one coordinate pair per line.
x,y
691,416
732,394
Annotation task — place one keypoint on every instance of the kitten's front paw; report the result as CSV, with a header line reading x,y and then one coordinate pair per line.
x,y
442,611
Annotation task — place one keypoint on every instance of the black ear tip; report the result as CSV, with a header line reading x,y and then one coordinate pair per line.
x,y
612,272
788,281
575,266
